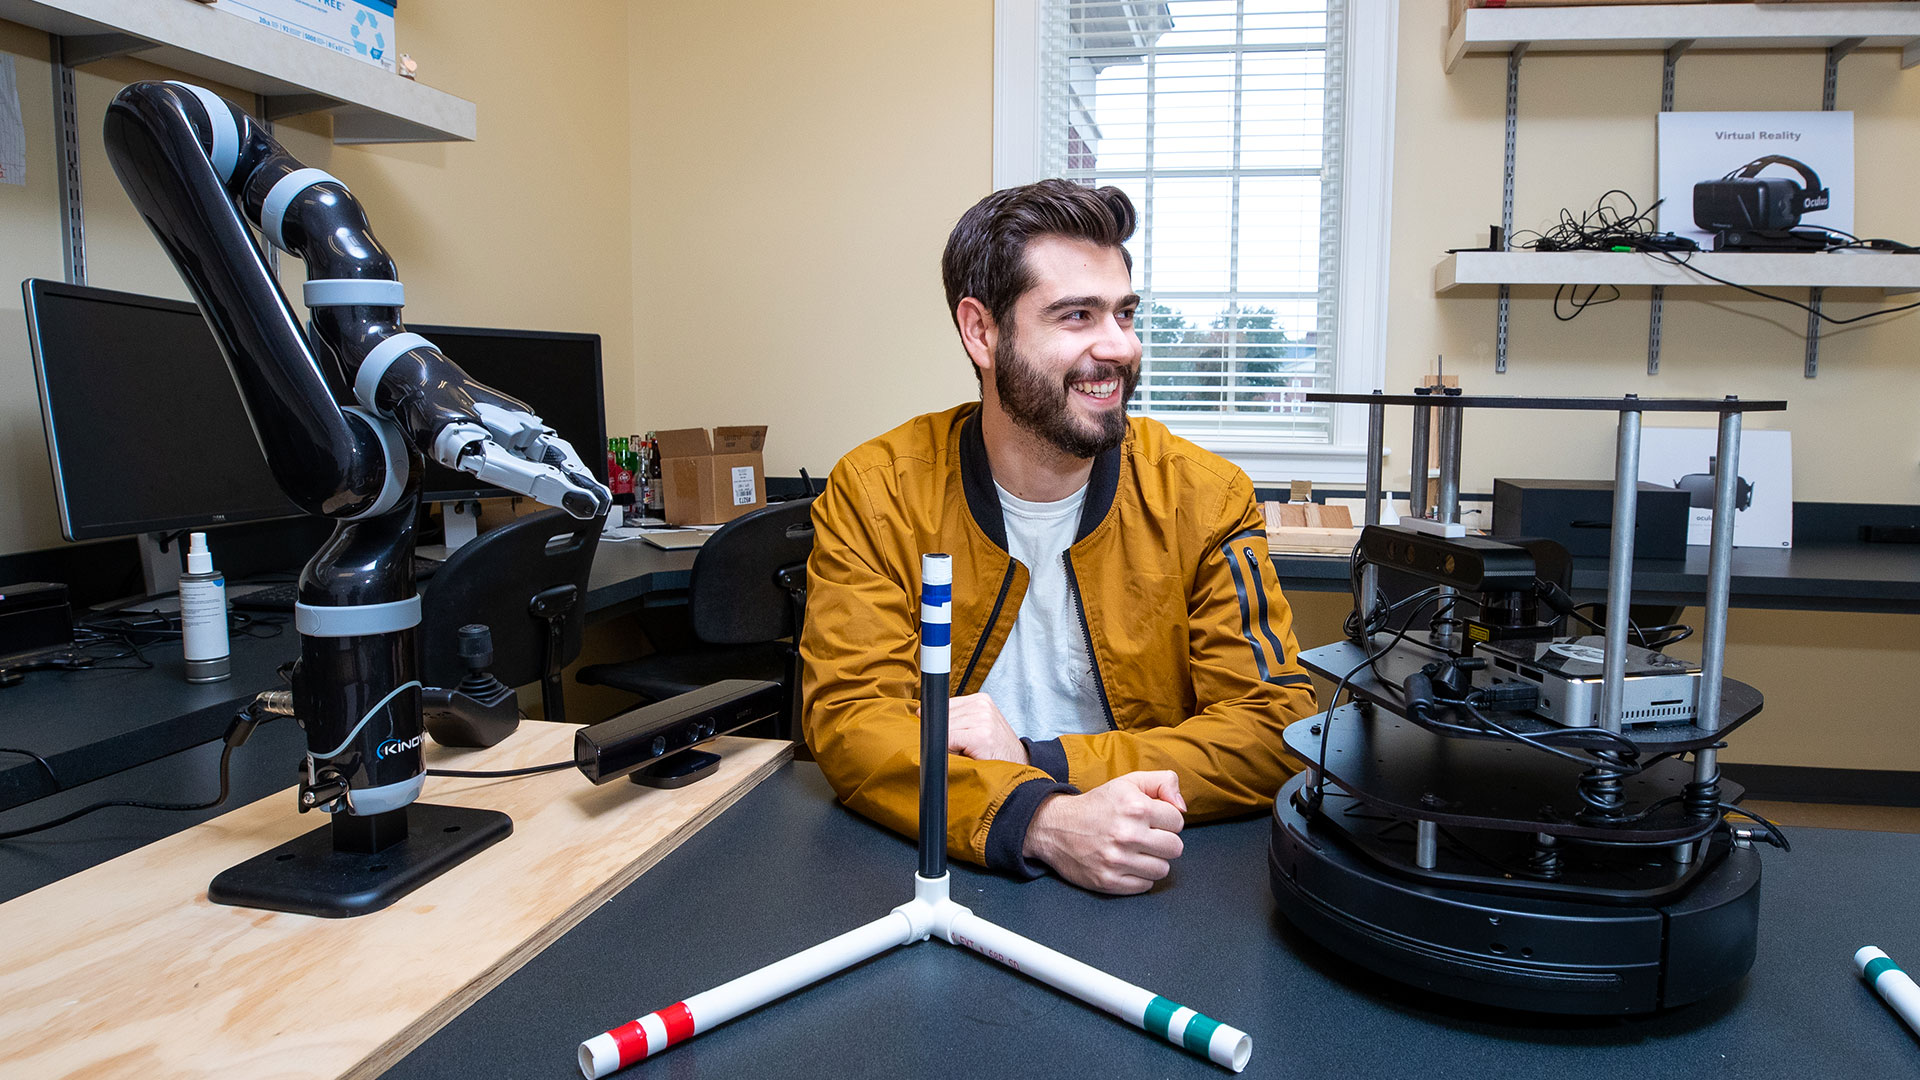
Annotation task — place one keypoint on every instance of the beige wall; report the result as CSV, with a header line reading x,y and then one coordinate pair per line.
x,y
796,170
528,227
747,201
1833,682
1586,124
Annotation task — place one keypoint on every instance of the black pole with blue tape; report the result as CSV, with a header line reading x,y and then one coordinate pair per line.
x,y
936,662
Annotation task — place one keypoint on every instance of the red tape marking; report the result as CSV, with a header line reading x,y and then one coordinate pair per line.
x,y
631,1040
679,1022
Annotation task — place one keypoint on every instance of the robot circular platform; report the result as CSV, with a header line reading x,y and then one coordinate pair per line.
x,y
1533,953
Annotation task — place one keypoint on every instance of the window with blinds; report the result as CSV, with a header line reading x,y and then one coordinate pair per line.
x,y
1221,118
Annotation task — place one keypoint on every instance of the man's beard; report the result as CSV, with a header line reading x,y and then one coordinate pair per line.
x,y
1037,403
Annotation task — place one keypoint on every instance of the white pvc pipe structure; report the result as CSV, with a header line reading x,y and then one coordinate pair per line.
x,y
1892,984
931,913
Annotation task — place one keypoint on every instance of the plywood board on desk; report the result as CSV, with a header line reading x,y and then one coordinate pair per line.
x,y
127,969
1309,529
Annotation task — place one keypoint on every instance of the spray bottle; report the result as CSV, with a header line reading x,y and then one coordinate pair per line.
x,y
203,615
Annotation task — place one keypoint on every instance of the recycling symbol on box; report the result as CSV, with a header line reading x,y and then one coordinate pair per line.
x,y
379,47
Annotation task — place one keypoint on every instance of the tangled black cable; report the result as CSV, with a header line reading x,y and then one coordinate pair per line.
x,y
1424,597
1603,228
1671,633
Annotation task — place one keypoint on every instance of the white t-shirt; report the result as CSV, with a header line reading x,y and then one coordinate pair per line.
x,y
1043,680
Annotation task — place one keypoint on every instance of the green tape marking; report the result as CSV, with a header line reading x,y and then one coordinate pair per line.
x,y
1879,966
1200,1033
1159,1014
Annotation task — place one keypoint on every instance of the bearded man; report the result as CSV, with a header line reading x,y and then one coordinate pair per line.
x,y
1124,661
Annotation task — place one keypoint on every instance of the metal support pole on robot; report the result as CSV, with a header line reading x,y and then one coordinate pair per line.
x,y
1376,455
1713,638
1444,633
1451,419
1426,844
1418,467
1626,500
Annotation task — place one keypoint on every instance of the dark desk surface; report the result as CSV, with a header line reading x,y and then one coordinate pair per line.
x,y
89,724
1825,576
92,724
786,868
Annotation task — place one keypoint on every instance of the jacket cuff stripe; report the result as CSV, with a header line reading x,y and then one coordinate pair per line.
x,y
1049,755
1008,835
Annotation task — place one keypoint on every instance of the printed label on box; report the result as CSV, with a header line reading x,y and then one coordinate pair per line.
x,y
362,29
743,490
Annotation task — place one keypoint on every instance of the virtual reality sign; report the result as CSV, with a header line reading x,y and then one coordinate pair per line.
x,y
1755,174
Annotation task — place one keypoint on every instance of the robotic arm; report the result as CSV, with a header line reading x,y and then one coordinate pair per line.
x,y
193,165
199,171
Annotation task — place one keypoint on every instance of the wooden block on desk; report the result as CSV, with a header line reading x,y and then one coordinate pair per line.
x,y
127,969
1310,529
1286,515
1321,516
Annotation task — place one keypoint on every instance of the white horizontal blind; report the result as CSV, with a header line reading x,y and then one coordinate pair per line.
x,y
1220,118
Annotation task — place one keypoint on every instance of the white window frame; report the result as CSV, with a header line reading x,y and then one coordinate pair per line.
x,y
1366,226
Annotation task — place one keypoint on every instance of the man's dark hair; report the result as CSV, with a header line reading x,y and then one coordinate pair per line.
x,y
986,254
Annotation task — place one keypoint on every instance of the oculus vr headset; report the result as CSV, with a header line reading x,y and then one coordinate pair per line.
x,y
1743,199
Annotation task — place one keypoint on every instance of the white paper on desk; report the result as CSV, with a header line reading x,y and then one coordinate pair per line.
x,y
13,130
1684,458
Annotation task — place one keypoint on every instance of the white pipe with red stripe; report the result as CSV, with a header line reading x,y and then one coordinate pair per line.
x,y
654,1032
931,913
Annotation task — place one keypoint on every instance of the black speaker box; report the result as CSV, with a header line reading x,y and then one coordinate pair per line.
x,y
1579,514
33,616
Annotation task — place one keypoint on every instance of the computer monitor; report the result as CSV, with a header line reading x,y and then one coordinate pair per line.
x,y
145,429
556,374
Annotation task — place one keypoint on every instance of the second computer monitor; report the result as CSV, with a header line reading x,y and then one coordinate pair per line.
x,y
556,374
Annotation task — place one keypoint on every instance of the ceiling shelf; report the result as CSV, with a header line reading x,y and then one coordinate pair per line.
x,y
1658,27
368,103
1889,274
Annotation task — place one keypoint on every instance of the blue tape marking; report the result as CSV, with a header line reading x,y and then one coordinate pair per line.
x,y
935,635
936,595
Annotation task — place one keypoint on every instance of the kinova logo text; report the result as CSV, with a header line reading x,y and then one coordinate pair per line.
x,y
394,746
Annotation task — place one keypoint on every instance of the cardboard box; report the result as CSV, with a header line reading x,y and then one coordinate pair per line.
x,y
362,29
710,480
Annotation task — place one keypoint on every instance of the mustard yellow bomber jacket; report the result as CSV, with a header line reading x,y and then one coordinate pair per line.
x,y
1192,642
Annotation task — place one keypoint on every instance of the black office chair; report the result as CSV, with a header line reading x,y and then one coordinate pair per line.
x,y
527,582
748,593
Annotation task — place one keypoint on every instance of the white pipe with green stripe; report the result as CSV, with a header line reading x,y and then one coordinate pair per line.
x,y
931,913
1183,1027
1892,984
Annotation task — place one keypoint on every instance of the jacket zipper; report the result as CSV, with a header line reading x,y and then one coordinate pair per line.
x,y
986,631
1086,633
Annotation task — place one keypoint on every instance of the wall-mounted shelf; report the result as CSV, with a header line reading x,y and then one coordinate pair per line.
x,y
1838,29
1657,28
369,105
1889,274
